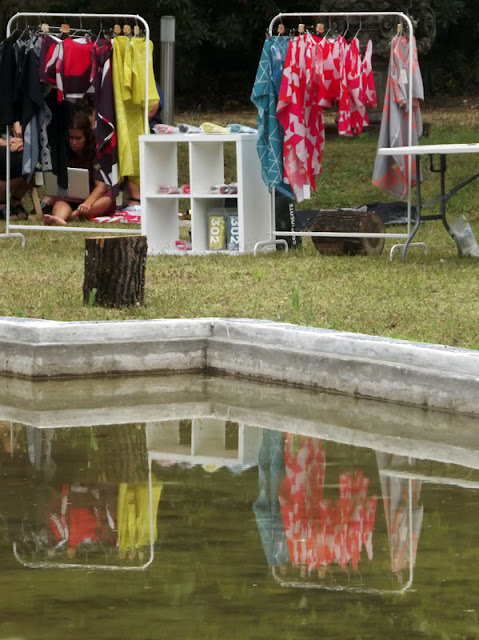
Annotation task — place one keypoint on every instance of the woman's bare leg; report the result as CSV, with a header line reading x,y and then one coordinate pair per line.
x,y
61,214
99,208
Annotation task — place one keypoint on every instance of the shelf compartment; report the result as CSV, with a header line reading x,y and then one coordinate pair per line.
x,y
162,225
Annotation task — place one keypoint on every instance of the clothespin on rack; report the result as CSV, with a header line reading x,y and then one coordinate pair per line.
x,y
45,27
126,30
117,29
65,28
320,29
136,30
399,28
301,28
281,29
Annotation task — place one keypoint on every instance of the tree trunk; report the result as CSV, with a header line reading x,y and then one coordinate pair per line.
x,y
348,220
114,271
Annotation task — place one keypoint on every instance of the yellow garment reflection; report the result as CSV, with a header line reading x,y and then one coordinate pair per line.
x,y
134,514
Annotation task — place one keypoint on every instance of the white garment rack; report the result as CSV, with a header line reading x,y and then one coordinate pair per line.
x,y
76,16
355,14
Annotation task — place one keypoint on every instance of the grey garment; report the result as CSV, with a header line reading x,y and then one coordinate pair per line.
x,y
43,121
390,172
45,151
35,139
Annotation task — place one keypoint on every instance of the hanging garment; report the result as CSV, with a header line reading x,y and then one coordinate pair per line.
x,y
49,53
73,69
265,98
391,172
105,129
321,531
271,471
33,119
403,512
330,65
128,65
9,105
134,515
301,118
368,88
300,494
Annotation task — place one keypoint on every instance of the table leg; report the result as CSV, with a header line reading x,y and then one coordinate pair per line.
x,y
418,209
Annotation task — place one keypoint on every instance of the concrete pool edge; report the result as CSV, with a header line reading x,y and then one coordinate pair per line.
x,y
427,375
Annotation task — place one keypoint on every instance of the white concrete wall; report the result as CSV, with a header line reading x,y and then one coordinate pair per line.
x,y
425,375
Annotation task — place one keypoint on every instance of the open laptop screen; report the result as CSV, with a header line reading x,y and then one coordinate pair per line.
x,y
78,184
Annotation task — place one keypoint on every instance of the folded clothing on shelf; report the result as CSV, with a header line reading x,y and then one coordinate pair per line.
x,y
239,128
182,245
188,128
168,189
225,188
210,127
165,128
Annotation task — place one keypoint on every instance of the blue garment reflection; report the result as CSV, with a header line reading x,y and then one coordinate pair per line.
x,y
266,508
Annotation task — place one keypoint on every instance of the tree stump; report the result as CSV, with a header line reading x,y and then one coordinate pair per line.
x,y
343,221
115,271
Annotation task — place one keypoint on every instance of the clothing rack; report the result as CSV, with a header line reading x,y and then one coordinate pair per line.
x,y
76,16
402,17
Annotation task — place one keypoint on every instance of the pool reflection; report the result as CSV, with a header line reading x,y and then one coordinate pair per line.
x,y
90,498
220,507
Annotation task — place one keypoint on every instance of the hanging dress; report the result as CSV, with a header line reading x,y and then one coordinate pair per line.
x,y
301,118
391,172
264,96
129,59
105,129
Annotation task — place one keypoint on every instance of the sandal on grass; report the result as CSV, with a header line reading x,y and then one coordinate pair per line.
x,y
18,213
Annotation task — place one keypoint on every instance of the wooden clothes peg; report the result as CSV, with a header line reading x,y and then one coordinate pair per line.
x,y
65,28
301,28
117,29
136,30
126,30
281,29
45,27
320,29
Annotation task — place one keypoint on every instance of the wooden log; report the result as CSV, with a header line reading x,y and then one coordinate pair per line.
x,y
348,220
114,271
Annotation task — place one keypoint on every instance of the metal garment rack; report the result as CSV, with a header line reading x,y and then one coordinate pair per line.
x,y
354,14
76,16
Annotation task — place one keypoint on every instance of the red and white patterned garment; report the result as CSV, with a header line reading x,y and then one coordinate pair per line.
x,y
49,53
301,118
300,493
333,52
321,531
368,88
350,88
74,69
391,173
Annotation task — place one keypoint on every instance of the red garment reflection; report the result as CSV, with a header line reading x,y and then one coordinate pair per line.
x,y
322,531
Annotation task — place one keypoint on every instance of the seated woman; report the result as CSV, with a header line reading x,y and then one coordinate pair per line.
x,y
82,153
18,185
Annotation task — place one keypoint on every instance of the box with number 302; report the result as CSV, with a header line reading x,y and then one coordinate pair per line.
x,y
217,235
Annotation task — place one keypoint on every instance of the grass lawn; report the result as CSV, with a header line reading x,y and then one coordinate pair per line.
x,y
430,298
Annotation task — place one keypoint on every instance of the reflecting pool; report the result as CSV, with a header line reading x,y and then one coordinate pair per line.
x,y
198,507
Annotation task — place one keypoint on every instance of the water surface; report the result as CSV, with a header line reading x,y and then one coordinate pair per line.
x,y
199,507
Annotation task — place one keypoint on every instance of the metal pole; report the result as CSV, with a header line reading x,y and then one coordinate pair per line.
x,y
167,78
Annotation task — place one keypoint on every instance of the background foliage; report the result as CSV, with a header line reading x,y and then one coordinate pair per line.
x,y
219,41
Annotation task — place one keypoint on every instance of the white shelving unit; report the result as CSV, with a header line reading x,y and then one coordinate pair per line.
x,y
159,160
207,446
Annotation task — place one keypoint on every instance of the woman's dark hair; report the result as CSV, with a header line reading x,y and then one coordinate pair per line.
x,y
81,120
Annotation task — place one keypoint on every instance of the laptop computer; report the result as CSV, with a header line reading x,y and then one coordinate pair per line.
x,y
78,184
